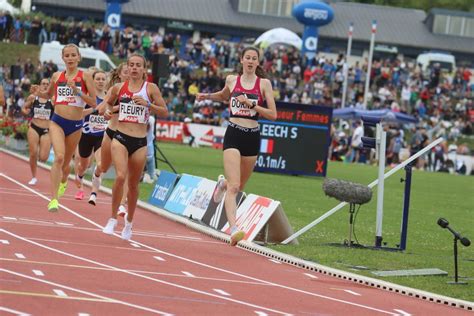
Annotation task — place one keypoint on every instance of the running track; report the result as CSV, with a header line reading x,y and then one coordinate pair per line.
x,y
62,264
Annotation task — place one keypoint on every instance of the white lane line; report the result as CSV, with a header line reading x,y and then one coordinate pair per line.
x,y
83,314
402,312
106,299
9,218
352,292
208,265
20,256
140,275
274,261
188,274
5,242
135,245
36,221
222,292
159,258
259,313
64,224
38,272
12,311
60,293
311,276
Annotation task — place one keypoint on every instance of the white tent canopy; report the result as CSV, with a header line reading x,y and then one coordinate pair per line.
x,y
5,6
279,36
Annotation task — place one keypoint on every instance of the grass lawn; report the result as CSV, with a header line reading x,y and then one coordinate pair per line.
x,y
433,195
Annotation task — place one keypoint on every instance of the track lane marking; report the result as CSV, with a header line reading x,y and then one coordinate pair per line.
x,y
206,265
107,299
12,311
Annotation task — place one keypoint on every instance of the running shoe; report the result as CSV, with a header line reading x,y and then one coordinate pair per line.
x,y
127,230
122,211
79,195
92,198
220,189
96,181
62,189
33,181
237,236
53,205
109,228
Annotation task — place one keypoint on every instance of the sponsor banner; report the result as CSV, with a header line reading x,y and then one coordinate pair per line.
x,y
163,188
191,196
200,199
215,215
169,131
205,135
256,213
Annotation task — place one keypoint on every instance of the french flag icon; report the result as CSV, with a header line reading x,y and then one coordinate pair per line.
x,y
266,146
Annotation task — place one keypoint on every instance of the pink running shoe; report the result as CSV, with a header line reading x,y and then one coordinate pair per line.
x,y
79,195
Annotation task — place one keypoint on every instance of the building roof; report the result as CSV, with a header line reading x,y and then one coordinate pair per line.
x,y
395,26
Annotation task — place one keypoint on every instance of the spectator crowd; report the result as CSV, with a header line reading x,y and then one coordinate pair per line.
x,y
443,102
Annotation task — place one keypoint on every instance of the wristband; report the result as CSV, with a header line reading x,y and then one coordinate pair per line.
x,y
254,104
95,111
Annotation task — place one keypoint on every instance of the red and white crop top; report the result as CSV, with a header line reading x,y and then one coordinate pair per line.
x,y
254,95
128,110
63,94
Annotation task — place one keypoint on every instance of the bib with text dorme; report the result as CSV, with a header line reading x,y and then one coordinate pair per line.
x,y
97,123
64,94
133,113
240,109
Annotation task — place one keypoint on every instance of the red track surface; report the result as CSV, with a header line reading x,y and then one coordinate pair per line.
x,y
62,264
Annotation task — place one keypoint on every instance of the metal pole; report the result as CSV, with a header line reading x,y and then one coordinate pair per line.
x,y
382,139
371,185
346,65
406,207
456,259
369,66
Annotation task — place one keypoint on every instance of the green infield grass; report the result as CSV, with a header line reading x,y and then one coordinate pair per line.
x,y
433,195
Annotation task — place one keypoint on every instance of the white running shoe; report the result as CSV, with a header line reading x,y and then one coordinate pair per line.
x,y
109,228
122,211
33,181
220,189
127,230
96,181
147,179
92,199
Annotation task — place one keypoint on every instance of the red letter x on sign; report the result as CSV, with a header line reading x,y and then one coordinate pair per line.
x,y
319,166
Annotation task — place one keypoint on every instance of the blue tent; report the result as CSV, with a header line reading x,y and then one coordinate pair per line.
x,y
386,114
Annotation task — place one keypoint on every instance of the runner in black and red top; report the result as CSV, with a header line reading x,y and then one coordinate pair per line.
x,y
135,99
72,90
39,143
247,93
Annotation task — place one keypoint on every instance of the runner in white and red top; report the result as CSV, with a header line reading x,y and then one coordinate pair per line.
x,y
135,100
247,92
72,90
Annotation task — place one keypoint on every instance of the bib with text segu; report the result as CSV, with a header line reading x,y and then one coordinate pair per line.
x,y
65,95
240,109
97,123
133,113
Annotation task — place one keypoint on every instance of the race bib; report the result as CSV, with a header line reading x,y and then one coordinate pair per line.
x,y
133,113
240,109
64,94
41,113
97,123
